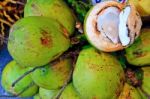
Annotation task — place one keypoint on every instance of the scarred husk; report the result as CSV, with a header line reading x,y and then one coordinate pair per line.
x,y
56,9
35,41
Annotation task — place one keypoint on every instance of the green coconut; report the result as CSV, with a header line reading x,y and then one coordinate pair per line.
x,y
56,9
143,96
146,80
37,96
129,92
98,75
48,94
138,54
142,6
35,41
69,92
12,72
53,76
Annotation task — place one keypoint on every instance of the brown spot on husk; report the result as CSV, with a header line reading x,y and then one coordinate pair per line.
x,y
138,53
46,39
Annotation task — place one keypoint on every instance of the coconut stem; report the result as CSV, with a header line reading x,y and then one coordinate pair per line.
x,y
74,56
25,74
9,96
65,85
71,54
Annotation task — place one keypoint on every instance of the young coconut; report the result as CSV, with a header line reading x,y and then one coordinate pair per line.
x,y
98,75
145,87
142,6
53,76
111,26
129,92
37,96
35,41
138,54
56,9
143,96
25,86
70,92
47,94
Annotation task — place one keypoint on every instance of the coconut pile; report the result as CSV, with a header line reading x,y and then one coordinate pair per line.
x,y
70,49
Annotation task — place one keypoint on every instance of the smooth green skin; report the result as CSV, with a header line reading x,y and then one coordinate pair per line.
x,y
37,96
129,92
56,9
142,6
69,92
12,72
35,41
146,80
47,94
53,76
143,96
138,54
98,75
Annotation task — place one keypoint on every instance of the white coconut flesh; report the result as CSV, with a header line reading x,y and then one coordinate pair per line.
x,y
112,24
109,25
123,29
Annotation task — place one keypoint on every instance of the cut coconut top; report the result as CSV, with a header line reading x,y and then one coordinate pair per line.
x,y
106,26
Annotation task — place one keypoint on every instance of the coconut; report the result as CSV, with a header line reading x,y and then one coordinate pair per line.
x,y
142,6
47,94
138,54
25,86
70,92
56,9
35,41
111,26
37,96
143,96
98,75
53,76
145,82
129,92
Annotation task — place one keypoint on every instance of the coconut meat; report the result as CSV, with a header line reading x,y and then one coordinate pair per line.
x,y
112,24
123,29
108,23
